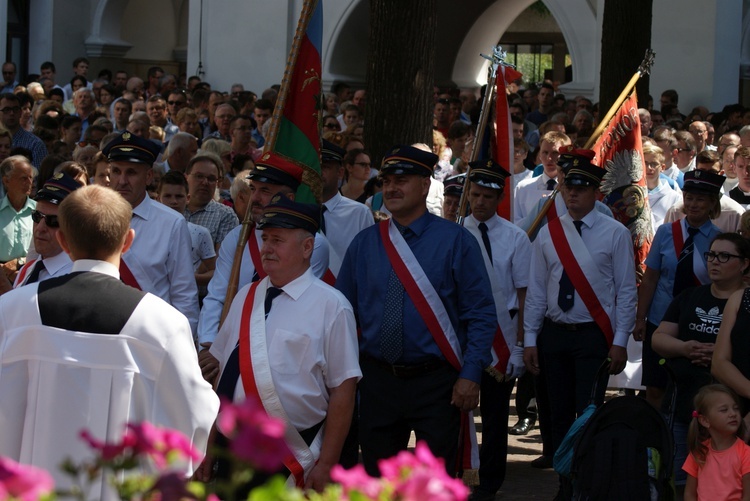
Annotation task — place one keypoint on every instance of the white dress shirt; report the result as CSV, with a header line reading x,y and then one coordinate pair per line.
x,y
661,199
511,255
312,345
611,248
160,258
213,303
527,194
54,266
344,219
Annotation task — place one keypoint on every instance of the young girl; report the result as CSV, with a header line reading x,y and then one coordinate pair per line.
x,y
718,466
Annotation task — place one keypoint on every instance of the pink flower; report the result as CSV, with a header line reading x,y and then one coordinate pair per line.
x,y
23,482
108,452
256,437
356,479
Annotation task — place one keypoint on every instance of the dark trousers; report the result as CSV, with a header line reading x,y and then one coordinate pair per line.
x,y
391,407
494,403
569,361
543,414
524,393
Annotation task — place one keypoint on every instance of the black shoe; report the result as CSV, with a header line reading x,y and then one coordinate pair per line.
x,y
522,427
542,462
480,495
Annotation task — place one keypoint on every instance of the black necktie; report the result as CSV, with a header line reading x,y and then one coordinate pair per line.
x,y
323,219
566,292
684,277
34,275
231,372
551,184
486,240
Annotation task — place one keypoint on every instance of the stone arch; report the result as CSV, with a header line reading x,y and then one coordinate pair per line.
x,y
105,40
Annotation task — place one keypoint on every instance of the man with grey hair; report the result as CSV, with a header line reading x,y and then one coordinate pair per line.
x,y
240,193
645,117
83,99
180,150
745,136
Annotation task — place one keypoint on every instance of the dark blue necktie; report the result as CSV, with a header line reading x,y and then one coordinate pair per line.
x,y
551,183
392,327
566,292
34,275
486,241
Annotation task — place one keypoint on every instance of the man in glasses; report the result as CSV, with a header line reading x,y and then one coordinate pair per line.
x,y
224,115
684,153
10,117
202,176
156,108
9,77
52,261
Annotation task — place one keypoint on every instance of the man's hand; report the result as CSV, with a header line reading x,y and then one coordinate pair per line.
x,y
639,333
465,395
10,269
208,363
531,359
205,471
319,477
619,357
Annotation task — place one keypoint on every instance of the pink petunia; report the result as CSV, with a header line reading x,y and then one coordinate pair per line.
x,y
23,482
357,479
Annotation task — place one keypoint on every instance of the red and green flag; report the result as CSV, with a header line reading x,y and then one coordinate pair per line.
x,y
295,129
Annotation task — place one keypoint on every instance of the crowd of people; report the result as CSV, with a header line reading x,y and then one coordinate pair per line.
x,y
380,315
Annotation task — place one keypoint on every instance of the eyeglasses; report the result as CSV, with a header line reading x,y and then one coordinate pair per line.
x,y
721,257
176,103
202,177
331,126
49,220
11,109
363,164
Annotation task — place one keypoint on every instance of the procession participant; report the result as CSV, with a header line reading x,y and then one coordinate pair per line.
x,y
426,314
159,260
528,192
453,188
300,358
85,351
660,195
272,174
507,258
342,217
16,226
581,296
741,192
674,263
52,261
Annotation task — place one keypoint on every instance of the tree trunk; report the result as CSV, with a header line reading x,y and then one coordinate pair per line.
x,y
626,34
400,74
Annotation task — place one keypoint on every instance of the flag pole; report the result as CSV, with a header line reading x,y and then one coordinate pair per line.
x,y
643,69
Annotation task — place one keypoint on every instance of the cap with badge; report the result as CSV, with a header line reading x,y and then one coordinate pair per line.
x,y
128,147
701,181
488,173
285,213
57,188
272,168
408,160
331,152
578,167
454,185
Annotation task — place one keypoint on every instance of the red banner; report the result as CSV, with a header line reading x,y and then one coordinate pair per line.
x,y
504,134
620,152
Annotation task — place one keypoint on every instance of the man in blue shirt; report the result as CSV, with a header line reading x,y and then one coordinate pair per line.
x,y
416,375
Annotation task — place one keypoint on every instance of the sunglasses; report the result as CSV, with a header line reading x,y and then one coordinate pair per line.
x,y
49,220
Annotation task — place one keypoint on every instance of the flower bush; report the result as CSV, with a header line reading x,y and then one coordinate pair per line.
x,y
257,440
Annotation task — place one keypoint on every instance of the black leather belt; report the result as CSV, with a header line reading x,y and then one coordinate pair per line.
x,y
407,371
572,327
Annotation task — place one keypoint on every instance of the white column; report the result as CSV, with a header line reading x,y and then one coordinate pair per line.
x,y
41,17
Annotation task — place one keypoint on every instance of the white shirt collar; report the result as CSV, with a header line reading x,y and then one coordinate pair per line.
x,y
96,266
296,287
54,263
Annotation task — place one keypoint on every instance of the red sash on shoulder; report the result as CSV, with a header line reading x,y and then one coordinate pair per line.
x,y
679,243
329,277
579,280
127,276
22,274
248,376
255,254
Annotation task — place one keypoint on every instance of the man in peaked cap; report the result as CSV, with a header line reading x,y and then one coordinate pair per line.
x,y
304,353
159,260
418,375
341,218
272,174
507,256
581,298
453,187
52,261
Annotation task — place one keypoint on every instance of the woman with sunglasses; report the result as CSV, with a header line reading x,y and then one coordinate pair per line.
x,y
687,334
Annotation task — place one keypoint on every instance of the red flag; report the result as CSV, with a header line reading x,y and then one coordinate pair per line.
x,y
504,133
620,152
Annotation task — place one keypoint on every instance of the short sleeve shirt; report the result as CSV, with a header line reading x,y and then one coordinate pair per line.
x,y
721,476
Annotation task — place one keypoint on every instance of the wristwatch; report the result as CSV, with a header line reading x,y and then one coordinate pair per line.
x,y
20,262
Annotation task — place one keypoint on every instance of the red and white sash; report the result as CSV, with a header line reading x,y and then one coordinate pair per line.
x,y
507,329
257,383
126,275
679,235
432,310
25,269
583,273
